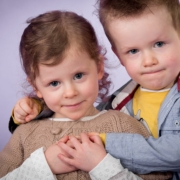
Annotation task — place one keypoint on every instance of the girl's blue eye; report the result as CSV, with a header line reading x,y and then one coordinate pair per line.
x,y
133,51
54,83
78,76
159,44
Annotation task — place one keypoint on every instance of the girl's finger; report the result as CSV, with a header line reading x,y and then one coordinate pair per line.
x,y
66,160
64,139
70,151
84,138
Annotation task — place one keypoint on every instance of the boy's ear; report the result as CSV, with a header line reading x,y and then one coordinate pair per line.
x,y
39,95
101,67
115,52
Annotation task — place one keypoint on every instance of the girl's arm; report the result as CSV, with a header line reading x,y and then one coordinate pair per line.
x,y
41,164
35,167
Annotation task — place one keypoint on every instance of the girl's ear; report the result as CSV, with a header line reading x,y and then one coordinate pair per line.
x,y
101,67
38,93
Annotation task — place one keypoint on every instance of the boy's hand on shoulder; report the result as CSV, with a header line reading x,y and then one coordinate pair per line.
x,y
25,110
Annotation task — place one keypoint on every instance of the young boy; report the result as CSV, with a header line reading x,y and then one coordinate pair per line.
x,y
145,37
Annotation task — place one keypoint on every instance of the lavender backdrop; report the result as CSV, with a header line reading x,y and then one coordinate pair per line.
x,y
13,16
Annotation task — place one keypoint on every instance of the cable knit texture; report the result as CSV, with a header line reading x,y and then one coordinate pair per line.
x,y
42,133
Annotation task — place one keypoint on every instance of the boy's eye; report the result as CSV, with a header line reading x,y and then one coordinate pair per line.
x,y
54,83
133,51
78,76
159,44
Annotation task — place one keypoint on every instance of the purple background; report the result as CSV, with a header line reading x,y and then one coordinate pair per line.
x,y
13,16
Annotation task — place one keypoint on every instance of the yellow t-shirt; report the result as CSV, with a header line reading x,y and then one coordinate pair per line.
x,y
148,103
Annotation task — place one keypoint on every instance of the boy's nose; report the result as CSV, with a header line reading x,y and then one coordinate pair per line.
x,y
149,60
70,91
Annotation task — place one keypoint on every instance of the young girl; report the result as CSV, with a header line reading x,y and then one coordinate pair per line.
x,y
64,64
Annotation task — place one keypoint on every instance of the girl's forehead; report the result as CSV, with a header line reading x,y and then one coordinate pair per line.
x,y
72,59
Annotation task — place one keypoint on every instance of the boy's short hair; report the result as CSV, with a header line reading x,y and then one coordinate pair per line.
x,y
110,9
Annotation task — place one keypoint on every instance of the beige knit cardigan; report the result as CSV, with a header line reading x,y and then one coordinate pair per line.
x,y
42,133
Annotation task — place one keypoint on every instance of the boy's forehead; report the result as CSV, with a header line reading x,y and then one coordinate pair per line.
x,y
130,26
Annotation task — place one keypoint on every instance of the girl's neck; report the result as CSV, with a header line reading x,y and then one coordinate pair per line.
x,y
92,112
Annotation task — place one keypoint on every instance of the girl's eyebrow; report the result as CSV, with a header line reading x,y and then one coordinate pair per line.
x,y
128,48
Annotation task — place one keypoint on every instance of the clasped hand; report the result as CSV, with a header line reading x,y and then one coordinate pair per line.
x,y
83,152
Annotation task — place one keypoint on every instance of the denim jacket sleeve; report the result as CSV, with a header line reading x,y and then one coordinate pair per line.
x,y
142,155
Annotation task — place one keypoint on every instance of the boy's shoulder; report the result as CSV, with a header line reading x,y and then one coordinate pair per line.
x,y
128,124
118,96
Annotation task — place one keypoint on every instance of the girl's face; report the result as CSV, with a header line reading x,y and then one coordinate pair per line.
x,y
71,87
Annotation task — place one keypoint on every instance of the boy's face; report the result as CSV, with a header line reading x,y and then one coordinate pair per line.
x,y
149,48
71,87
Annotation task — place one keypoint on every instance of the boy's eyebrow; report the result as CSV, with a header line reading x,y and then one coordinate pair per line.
x,y
159,37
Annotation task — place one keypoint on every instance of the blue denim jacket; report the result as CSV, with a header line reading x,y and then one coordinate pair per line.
x,y
142,155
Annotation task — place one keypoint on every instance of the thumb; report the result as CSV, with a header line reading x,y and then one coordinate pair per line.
x,y
29,102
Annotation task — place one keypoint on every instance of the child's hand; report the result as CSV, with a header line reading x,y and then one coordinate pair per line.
x,y
85,154
58,166
25,110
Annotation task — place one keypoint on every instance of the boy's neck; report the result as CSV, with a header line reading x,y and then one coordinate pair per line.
x,y
150,90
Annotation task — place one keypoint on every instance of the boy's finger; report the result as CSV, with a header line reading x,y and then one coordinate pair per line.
x,y
25,107
29,117
18,110
96,139
32,114
93,134
20,120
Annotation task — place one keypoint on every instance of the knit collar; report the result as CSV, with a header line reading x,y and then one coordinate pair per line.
x,y
87,118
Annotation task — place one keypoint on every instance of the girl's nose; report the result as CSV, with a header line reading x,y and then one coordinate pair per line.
x,y
70,91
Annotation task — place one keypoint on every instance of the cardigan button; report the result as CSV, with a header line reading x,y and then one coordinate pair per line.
x,y
56,131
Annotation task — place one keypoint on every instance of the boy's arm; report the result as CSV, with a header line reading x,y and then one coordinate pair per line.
x,y
107,104
24,111
12,126
142,155
27,109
